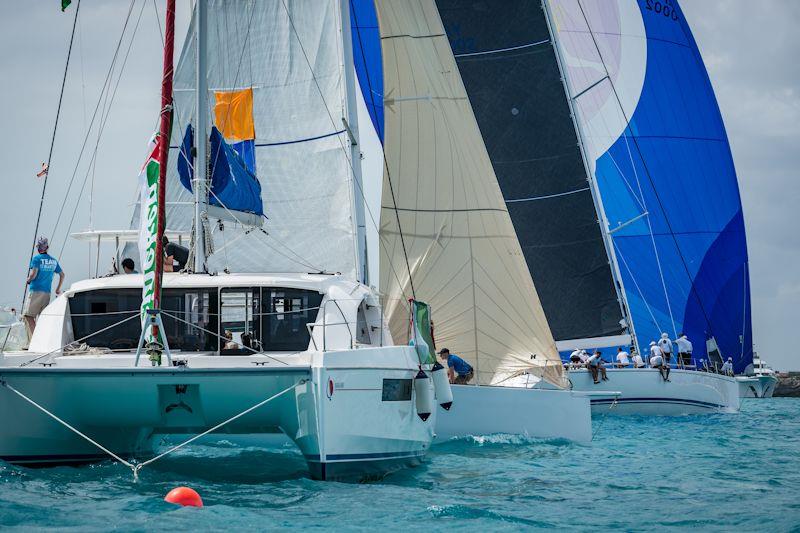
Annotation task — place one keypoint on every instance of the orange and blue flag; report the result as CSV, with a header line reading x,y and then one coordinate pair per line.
x,y
233,117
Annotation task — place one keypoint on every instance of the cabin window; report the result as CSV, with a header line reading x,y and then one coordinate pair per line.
x,y
285,313
396,390
93,311
239,321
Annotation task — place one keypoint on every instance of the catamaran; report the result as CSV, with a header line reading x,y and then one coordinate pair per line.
x,y
609,147
268,327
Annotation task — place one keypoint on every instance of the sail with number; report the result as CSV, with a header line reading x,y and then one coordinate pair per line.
x,y
446,235
279,165
657,147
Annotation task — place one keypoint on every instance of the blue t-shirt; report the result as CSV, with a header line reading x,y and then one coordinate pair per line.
x,y
460,366
46,266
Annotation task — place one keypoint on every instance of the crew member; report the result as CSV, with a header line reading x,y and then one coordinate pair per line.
x,y
727,367
622,358
128,266
459,371
666,348
175,253
657,360
638,362
40,282
684,349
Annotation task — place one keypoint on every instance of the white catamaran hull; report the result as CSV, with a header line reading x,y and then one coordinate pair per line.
x,y
643,391
333,412
538,413
757,386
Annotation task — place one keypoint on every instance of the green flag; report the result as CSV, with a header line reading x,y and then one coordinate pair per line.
x,y
65,4
421,324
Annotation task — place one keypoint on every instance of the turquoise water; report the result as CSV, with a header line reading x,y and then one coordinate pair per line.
x,y
720,472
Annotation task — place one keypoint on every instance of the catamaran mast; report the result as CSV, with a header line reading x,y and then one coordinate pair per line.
x,y
201,136
598,202
351,125
164,132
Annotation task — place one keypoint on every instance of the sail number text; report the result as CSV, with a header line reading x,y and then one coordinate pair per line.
x,y
662,7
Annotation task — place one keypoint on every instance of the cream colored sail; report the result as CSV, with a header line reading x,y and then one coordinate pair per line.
x,y
457,246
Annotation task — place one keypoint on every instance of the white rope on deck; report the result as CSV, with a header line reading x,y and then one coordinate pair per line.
x,y
135,468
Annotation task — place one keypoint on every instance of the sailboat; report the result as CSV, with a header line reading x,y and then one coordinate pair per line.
x,y
268,327
611,153
447,237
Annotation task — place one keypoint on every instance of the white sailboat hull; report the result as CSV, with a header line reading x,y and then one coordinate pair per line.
x,y
538,413
762,386
643,391
333,412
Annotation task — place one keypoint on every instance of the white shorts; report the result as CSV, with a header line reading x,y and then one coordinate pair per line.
x,y
37,301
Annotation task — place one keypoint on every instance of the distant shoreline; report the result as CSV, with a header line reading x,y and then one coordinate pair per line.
x,y
788,385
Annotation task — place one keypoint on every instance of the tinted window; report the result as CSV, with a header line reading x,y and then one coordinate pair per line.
x,y
396,390
95,310
285,313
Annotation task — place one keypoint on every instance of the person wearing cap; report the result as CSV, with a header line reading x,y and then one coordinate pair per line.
x,y
657,360
727,367
666,348
596,366
684,349
638,362
40,283
459,371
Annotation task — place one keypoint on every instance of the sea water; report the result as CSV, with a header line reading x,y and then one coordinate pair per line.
x,y
716,472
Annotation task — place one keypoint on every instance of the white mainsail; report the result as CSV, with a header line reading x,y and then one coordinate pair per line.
x,y
446,235
290,54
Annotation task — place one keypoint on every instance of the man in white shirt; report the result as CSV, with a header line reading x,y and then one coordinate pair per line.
x,y
584,357
638,362
666,348
595,363
684,349
622,358
727,367
575,359
657,360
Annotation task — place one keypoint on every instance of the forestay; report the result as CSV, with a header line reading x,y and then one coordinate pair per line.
x,y
658,148
446,235
289,53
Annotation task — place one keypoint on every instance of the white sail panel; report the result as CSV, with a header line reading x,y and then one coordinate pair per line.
x,y
444,226
293,61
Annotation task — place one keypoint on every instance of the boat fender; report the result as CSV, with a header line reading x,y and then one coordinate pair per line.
x,y
424,392
442,386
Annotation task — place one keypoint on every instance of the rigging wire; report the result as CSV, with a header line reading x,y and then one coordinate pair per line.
x,y
693,290
349,162
104,120
53,139
94,116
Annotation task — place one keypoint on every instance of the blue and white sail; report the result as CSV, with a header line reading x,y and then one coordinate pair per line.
x,y
659,153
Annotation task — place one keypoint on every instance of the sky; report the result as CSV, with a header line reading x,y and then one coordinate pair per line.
x,y
751,55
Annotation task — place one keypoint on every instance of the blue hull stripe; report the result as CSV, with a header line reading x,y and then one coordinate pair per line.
x,y
677,401
360,456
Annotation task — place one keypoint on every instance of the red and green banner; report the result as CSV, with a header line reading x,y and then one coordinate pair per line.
x,y
148,229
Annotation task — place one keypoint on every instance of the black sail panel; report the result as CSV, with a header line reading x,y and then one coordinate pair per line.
x,y
509,68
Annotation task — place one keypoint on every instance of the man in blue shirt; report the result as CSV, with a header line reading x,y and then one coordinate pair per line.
x,y
459,371
40,280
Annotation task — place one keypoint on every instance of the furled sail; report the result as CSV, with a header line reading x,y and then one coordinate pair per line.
x,y
510,70
446,235
658,149
277,97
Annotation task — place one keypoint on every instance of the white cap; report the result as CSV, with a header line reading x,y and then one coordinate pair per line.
x,y
664,336
652,343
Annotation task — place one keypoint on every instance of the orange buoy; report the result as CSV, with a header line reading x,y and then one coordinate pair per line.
x,y
184,496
